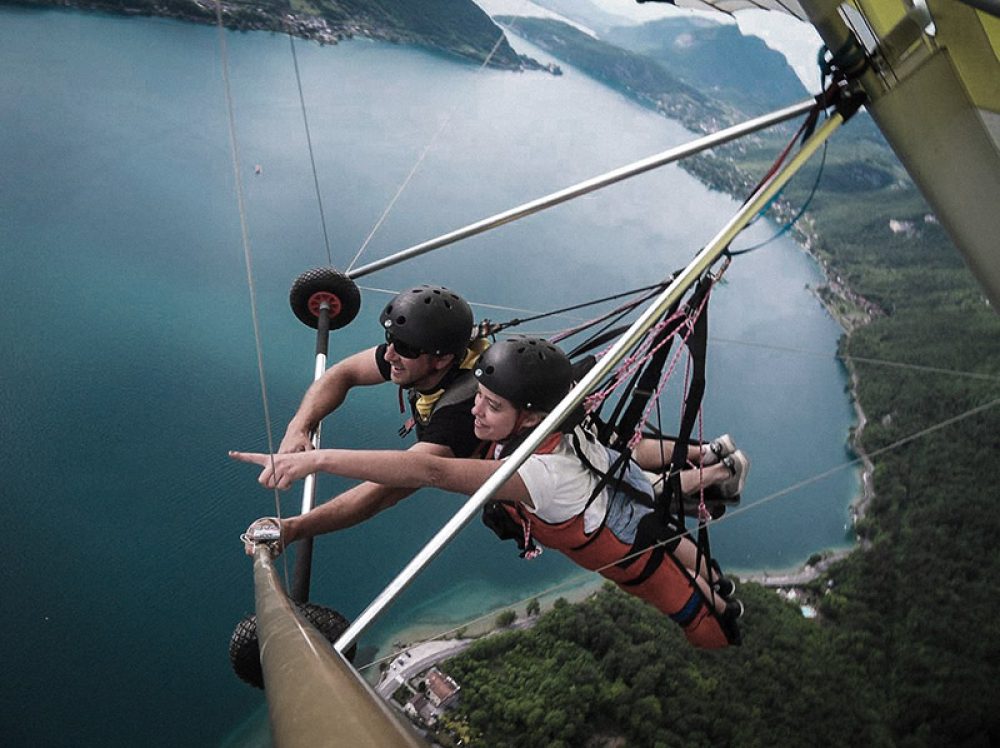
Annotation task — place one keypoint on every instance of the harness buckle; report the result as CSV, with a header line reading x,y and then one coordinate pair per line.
x,y
407,427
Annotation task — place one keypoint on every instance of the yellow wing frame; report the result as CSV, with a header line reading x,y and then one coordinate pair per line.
x,y
933,84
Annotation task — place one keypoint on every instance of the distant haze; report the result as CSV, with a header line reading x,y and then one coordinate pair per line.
x,y
797,41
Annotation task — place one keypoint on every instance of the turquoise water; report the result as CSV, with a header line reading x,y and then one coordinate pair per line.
x,y
130,364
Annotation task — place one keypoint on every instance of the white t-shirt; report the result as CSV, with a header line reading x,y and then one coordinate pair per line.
x,y
560,485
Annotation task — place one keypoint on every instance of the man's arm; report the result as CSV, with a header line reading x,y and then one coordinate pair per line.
x,y
354,505
347,509
326,395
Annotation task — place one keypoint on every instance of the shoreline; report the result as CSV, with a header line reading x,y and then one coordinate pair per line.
x,y
574,590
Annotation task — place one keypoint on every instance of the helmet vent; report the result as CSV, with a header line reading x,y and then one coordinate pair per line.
x,y
436,319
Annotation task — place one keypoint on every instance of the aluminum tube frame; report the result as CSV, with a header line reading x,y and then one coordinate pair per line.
x,y
302,576
314,695
319,369
688,277
309,487
594,183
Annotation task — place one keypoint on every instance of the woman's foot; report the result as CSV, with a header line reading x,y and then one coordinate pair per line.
x,y
728,621
739,465
725,587
717,449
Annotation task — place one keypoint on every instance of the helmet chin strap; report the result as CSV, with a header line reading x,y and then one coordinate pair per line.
x,y
519,426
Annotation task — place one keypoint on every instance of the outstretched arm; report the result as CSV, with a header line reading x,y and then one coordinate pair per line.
x,y
326,394
349,508
392,476
345,510
415,468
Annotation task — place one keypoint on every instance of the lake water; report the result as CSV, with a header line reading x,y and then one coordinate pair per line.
x,y
130,363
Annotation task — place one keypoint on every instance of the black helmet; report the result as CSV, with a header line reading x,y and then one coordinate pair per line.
x,y
432,319
530,372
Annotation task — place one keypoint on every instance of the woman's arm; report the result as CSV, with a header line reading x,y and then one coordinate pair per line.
x,y
409,469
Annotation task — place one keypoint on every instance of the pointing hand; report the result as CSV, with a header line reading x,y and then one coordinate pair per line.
x,y
279,471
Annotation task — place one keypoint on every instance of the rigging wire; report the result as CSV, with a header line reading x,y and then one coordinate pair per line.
x,y
416,166
312,157
784,229
247,253
575,580
850,358
803,132
581,305
846,358
523,310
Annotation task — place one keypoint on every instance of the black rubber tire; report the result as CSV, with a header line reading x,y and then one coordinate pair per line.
x,y
325,284
244,649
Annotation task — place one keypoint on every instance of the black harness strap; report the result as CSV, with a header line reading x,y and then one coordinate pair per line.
x,y
643,384
697,344
663,527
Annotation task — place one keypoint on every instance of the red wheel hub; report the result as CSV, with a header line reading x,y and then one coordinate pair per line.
x,y
318,299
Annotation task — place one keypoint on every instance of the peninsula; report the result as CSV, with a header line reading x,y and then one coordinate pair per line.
x,y
459,27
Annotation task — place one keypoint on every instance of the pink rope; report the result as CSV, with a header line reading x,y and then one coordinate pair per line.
x,y
632,362
533,552
688,325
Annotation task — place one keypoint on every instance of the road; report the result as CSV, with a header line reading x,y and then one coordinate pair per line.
x,y
416,660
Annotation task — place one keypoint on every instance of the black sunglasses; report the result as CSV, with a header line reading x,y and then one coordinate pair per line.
x,y
404,350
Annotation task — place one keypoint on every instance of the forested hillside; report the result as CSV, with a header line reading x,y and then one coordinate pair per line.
x,y
638,75
718,60
457,27
613,667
